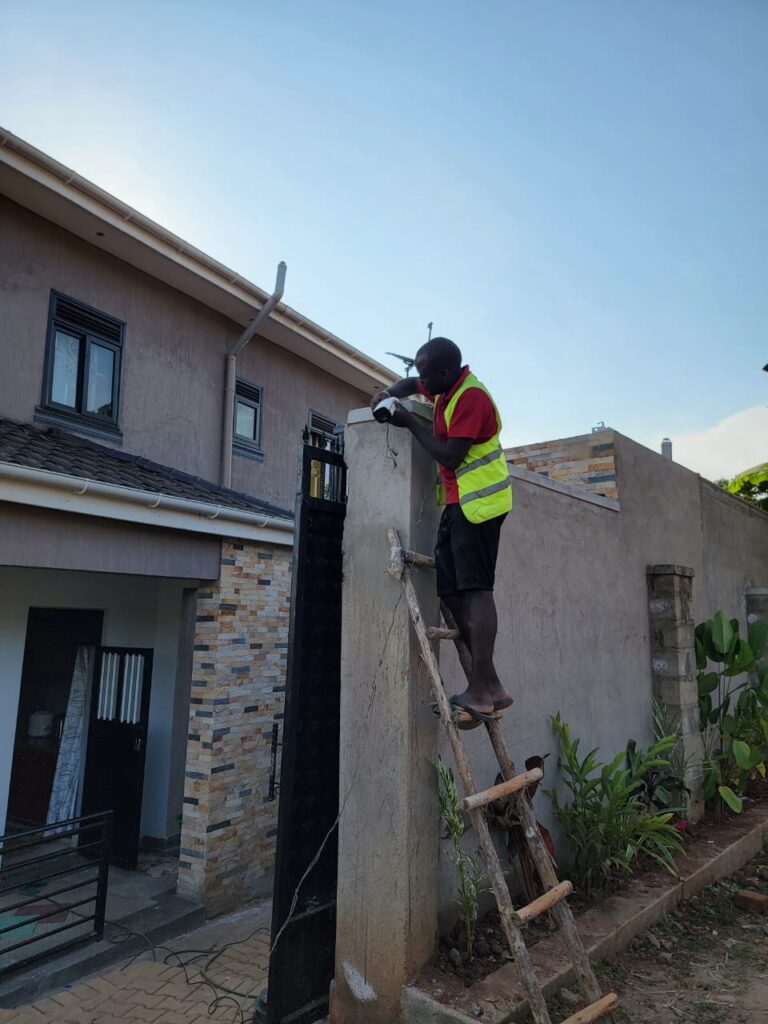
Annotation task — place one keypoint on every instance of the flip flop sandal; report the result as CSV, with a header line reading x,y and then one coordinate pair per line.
x,y
503,703
460,706
463,718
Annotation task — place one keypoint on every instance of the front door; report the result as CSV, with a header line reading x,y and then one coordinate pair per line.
x,y
117,740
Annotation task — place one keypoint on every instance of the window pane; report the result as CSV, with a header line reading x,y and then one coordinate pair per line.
x,y
101,368
66,356
245,421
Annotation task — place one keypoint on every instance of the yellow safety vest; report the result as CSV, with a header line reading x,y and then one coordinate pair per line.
x,y
485,489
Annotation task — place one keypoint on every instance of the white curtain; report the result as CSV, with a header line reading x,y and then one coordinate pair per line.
x,y
66,781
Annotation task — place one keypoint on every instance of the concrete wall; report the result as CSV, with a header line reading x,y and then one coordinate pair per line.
x,y
730,526
173,365
573,604
138,612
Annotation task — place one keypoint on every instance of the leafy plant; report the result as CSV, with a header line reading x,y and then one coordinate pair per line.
x,y
662,787
733,715
606,820
751,486
469,870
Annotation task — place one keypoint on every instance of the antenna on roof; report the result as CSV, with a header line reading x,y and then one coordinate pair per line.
x,y
408,362
429,331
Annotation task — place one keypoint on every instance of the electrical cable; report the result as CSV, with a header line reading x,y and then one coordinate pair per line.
x,y
221,994
391,452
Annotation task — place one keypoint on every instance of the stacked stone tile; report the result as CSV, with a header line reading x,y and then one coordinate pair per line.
x,y
238,694
588,461
673,662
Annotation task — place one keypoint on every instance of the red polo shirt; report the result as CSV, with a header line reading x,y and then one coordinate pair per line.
x,y
473,417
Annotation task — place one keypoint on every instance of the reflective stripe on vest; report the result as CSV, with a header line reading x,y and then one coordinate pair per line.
x,y
485,489
467,467
484,492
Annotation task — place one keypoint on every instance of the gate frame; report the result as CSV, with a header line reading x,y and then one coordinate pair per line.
x,y
293,923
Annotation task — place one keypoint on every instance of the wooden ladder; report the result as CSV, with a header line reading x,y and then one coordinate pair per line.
x,y
553,899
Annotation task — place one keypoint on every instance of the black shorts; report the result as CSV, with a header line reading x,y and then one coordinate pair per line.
x,y
465,553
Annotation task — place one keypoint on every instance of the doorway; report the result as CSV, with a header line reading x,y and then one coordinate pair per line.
x,y
117,742
54,636
81,729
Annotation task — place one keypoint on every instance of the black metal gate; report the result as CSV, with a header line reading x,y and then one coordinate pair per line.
x,y
304,903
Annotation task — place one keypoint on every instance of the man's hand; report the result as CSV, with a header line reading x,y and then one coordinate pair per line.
x,y
401,417
379,397
404,388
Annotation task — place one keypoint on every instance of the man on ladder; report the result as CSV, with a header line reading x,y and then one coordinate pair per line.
x,y
474,487
474,481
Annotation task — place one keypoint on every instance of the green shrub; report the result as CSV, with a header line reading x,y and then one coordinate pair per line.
x,y
469,870
606,821
733,714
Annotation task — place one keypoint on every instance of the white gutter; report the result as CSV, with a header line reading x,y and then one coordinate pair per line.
x,y
230,370
42,488
134,224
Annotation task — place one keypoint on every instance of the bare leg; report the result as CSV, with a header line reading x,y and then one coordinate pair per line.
x,y
475,614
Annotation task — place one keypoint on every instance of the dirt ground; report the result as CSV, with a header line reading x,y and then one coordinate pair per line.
x,y
707,962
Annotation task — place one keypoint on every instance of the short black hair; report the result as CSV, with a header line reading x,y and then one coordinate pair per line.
x,y
442,353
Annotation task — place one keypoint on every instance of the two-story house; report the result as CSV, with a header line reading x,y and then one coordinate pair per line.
x,y
147,481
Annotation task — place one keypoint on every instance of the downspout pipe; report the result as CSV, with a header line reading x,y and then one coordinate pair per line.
x,y
230,373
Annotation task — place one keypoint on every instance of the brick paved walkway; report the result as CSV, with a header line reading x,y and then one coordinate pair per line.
x,y
150,991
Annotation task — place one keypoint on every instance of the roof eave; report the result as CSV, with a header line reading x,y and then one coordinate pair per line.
x,y
36,181
25,485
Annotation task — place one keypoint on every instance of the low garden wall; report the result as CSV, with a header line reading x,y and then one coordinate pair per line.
x,y
573,599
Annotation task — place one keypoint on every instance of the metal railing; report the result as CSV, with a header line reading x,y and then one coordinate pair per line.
x,y
70,856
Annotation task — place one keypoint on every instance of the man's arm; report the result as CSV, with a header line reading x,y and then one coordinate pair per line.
x,y
401,389
450,453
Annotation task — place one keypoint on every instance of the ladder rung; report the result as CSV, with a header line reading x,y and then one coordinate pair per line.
x,y
595,1010
549,899
418,559
514,785
442,633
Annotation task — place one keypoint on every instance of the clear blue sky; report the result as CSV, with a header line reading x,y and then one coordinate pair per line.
x,y
574,191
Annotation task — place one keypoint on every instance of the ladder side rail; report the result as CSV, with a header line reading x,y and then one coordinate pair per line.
x,y
583,968
512,933
535,844
561,911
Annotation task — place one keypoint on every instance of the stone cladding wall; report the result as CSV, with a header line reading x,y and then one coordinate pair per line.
x,y
588,461
235,727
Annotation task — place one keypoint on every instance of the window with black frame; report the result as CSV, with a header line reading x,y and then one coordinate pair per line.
x,y
82,364
247,426
323,432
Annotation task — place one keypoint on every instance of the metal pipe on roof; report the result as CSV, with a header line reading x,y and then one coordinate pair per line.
x,y
230,369
263,313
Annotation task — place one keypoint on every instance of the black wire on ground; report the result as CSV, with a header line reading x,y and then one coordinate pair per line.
x,y
221,994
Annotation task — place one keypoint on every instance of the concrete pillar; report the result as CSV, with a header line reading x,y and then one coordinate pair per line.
x,y
389,824
673,655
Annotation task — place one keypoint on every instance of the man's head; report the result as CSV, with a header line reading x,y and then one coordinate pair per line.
x,y
438,364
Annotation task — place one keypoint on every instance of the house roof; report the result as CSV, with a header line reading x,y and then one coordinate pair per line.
x,y
36,181
57,451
